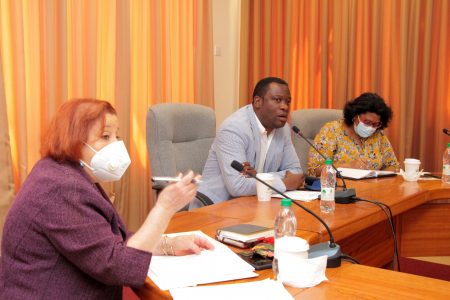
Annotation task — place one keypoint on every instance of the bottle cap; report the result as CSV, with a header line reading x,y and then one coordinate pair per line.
x,y
286,202
448,145
328,161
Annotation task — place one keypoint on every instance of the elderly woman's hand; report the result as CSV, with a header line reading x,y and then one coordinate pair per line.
x,y
175,196
185,244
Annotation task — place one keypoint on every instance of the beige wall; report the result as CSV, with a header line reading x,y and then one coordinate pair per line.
x,y
226,28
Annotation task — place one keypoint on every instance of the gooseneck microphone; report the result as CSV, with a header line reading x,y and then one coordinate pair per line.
x,y
330,249
446,131
345,196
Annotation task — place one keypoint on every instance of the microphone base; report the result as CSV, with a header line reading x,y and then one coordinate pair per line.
x,y
334,254
345,197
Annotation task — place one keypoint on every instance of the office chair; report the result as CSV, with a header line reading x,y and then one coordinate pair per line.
x,y
309,121
179,137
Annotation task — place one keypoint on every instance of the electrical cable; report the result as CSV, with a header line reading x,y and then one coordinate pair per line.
x,y
387,210
384,206
350,259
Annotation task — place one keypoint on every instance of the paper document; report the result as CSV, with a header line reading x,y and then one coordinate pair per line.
x,y
262,290
300,195
360,174
216,265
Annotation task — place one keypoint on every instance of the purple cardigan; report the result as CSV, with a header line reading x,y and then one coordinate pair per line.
x,y
63,239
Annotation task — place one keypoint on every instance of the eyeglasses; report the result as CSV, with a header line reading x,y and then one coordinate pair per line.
x,y
371,124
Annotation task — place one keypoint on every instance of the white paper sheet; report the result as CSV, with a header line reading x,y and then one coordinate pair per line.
x,y
209,266
300,195
261,290
359,173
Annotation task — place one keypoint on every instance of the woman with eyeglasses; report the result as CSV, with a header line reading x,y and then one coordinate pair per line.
x,y
357,141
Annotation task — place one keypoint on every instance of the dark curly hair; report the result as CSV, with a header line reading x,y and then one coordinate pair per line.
x,y
367,102
262,85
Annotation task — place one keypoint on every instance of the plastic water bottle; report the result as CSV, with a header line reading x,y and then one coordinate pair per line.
x,y
285,225
446,165
327,187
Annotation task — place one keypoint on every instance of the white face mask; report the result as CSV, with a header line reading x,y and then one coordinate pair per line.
x,y
110,162
364,130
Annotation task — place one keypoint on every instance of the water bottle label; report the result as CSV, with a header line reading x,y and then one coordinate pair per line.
x,y
446,170
327,194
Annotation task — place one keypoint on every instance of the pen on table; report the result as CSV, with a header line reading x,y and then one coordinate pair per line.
x,y
172,179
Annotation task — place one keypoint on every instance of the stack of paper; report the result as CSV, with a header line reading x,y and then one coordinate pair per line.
x,y
220,264
299,195
261,290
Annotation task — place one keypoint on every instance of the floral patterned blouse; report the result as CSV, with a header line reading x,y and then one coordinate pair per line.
x,y
333,142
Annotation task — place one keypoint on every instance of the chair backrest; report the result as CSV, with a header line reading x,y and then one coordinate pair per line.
x,y
179,136
309,121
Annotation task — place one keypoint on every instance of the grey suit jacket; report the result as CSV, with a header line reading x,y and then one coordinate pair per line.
x,y
239,139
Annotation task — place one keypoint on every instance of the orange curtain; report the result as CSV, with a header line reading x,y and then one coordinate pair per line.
x,y
332,51
131,53
6,172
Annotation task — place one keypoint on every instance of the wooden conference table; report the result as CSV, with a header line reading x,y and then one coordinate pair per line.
x,y
421,213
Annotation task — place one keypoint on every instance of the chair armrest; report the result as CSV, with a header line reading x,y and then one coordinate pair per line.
x,y
204,199
158,186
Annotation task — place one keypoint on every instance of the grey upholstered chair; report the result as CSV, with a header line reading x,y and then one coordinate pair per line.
x,y
179,137
309,121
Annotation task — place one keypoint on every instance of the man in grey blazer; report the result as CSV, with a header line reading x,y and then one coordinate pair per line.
x,y
258,136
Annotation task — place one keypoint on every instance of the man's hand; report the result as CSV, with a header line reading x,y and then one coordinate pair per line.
x,y
293,181
248,169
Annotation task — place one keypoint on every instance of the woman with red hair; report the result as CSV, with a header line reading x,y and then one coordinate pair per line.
x,y
62,237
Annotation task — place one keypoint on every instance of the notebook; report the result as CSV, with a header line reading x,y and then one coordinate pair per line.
x,y
364,174
244,232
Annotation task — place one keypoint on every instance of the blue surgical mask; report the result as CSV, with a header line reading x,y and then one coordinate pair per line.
x,y
364,130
